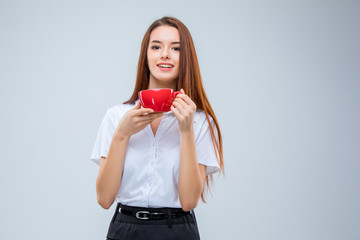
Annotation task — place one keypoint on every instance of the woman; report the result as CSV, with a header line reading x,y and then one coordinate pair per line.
x,y
155,165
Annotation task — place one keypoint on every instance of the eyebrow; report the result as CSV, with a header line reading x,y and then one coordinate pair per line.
x,y
157,41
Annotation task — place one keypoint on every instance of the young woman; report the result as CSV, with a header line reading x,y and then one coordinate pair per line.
x,y
156,165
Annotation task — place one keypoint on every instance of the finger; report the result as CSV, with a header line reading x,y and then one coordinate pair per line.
x,y
151,116
143,111
176,112
182,102
186,99
183,106
152,119
179,107
148,121
138,105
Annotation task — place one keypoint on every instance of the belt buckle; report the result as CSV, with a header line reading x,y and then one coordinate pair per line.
x,y
137,215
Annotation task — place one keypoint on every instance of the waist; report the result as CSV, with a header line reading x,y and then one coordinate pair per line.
x,y
131,195
152,213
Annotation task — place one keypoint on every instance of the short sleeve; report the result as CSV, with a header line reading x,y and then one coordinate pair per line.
x,y
104,137
204,148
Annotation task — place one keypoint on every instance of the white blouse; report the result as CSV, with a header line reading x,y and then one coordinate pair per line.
x,y
151,167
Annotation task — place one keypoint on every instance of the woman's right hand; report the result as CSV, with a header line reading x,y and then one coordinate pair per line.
x,y
135,120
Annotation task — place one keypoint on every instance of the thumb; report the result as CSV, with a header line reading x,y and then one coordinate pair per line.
x,y
182,90
138,105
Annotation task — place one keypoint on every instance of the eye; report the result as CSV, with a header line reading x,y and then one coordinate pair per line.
x,y
155,47
176,48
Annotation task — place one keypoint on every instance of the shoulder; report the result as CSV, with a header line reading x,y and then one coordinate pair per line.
x,y
200,117
201,124
202,127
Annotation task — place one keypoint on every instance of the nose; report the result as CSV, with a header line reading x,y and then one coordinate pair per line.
x,y
165,54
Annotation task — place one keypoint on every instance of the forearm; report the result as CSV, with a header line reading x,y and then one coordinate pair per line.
x,y
189,186
110,172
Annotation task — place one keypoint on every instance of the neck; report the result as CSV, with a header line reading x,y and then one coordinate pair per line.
x,y
153,84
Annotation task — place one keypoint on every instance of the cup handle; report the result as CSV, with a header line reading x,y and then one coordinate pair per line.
x,y
176,93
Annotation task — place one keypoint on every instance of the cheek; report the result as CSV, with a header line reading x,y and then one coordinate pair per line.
x,y
177,56
151,58
150,61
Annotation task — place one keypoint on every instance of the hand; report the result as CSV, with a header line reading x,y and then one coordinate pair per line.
x,y
185,112
135,120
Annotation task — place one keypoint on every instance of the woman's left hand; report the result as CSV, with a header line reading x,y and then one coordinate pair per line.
x,y
185,112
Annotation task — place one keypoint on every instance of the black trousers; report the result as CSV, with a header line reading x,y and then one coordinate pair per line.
x,y
126,227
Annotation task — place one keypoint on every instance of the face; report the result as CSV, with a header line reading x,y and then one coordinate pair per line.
x,y
163,55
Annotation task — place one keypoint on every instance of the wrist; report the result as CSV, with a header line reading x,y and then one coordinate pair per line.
x,y
120,136
187,133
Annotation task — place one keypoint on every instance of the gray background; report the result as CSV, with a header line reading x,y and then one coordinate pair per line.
x,y
282,77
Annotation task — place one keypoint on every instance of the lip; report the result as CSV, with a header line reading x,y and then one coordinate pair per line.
x,y
165,64
165,69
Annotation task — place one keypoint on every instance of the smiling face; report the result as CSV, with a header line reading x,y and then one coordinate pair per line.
x,y
163,55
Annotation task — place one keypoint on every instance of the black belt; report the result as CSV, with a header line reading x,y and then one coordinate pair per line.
x,y
146,214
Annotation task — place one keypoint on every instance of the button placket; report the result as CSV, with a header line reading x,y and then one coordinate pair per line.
x,y
151,173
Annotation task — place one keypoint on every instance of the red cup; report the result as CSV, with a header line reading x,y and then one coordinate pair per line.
x,y
159,100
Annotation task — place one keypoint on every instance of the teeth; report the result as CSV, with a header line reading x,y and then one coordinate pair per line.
x,y
165,66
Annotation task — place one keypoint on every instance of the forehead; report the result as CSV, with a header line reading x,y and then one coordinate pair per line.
x,y
165,34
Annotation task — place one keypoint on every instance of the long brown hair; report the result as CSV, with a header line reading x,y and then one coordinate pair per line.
x,y
189,79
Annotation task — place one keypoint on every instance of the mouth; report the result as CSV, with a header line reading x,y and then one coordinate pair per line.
x,y
165,66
